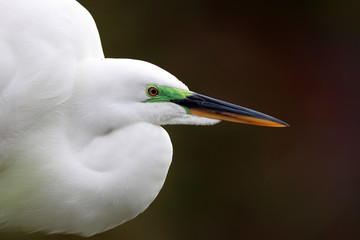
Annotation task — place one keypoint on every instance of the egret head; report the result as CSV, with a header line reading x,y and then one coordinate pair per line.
x,y
141,91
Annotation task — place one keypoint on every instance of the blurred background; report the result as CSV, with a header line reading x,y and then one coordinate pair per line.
x,y
295,60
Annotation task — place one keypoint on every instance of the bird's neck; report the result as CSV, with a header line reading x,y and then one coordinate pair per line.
x,y
106,182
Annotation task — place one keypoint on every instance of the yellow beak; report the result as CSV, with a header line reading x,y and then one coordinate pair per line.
x,y
204,106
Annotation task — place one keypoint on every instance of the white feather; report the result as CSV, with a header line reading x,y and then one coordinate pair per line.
x,y
79,150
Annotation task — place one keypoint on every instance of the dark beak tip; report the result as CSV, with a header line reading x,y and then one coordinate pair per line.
x,y
284,124
213,108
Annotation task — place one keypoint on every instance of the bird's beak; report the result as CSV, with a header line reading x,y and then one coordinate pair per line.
x,y
204,106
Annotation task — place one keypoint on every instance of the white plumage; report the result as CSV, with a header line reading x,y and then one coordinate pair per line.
x,y
75,156
81,149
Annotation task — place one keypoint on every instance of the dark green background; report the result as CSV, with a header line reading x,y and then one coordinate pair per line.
x,y
295,60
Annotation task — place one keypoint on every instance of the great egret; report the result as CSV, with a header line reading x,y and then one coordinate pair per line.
x,y
81,148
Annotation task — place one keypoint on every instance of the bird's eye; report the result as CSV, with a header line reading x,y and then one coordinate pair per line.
x,y
153,91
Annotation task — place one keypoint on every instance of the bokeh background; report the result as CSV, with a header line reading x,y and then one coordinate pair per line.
x,y
295,60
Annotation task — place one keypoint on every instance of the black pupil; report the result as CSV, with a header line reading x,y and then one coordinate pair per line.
x,y
153,91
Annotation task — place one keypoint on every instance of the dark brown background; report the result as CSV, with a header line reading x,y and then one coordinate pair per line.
x,y
298,61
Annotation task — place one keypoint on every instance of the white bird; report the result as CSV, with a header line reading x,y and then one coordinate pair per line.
x,y
81,147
